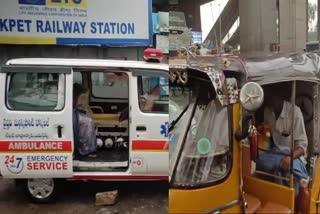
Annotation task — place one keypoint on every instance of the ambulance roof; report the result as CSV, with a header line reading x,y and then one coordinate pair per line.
x,y
87,63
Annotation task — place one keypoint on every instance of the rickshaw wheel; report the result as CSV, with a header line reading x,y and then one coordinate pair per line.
x,y
40,190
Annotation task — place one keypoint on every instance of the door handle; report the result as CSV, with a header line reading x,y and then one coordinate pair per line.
x,y
59,131
141,128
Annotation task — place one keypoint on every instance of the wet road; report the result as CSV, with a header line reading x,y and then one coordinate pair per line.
x,y
79,197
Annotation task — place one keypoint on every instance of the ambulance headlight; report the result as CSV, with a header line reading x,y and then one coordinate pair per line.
x,y
251,96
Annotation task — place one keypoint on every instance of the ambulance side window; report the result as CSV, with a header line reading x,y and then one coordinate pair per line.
x,y
35,91
77,77
110,85
153,94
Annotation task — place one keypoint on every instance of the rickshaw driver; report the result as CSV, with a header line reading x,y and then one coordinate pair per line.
x,y
277,115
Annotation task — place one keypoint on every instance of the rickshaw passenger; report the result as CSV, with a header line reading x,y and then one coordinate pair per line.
x,y
277,115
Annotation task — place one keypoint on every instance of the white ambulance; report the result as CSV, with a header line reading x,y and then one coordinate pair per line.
x,y
37,139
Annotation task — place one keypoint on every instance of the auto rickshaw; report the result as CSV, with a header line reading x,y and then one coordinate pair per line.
x,y
217,138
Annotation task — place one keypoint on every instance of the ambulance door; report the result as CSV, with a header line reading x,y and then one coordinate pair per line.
x,y
36,122
149,122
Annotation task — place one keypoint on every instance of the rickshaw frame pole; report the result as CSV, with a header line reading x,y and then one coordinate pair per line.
x,y
293,100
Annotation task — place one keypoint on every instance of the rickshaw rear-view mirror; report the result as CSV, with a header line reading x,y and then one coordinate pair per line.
x,y
251,96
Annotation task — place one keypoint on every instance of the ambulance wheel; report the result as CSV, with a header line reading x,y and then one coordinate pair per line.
x,y
41,190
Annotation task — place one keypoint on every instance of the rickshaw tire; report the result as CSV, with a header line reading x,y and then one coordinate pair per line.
x,y
22,187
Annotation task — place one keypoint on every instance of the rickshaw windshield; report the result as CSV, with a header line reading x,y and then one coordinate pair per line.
x,y
182,101
199,141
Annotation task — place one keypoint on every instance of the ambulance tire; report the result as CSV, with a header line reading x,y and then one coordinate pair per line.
x,y
23,186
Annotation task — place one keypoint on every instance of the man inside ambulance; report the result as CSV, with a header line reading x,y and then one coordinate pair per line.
x,y
147,99
278,116
151,97
83,126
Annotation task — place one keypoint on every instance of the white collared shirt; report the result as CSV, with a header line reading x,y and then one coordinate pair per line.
x,y
282,126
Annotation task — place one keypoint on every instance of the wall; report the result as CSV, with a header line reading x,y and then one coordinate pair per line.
x,y
258,27
293,25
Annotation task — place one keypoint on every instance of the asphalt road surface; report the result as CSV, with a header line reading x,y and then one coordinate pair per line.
x,y
79,197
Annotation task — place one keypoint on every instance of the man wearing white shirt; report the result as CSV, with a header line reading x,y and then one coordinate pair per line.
x,y
278,115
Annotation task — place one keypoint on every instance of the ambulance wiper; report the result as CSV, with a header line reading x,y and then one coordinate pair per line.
x,y
174,122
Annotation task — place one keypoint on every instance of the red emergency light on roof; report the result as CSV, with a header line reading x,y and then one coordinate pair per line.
x,y
152,54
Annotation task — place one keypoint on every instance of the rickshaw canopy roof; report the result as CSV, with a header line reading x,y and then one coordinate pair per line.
x,y
202,63
304,67
217,68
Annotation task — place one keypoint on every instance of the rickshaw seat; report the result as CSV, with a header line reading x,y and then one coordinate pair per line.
x,y
272,207
253,203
